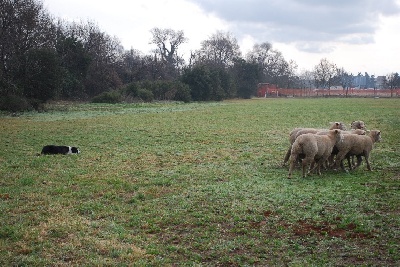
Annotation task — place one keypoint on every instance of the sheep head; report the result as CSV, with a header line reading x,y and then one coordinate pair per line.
x,y
358,125
375,135
337,125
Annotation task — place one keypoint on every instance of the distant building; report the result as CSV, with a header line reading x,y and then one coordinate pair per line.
x,y
360,81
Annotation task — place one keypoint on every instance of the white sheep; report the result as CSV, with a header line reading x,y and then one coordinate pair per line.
x,y
357,145
295,133
314,148
331,158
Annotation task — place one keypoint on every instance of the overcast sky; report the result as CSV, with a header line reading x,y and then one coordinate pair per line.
x,y
358,35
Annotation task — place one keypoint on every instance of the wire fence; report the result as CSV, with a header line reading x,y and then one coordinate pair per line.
x,y
351,92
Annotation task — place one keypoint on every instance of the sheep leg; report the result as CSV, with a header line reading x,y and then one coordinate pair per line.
x,y
292,163
331,161
339,161
312,167
287,156
316,165
320,164
326,164
304,170
359,160
342,166
348,162
306,163
366,156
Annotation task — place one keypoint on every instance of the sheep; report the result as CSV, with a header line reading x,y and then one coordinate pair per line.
x,y
294,133
315,148
358,125
356,131
334,151
321,132
330,161
357,145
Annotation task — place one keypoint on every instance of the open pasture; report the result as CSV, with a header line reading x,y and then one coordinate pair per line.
x,y
198,184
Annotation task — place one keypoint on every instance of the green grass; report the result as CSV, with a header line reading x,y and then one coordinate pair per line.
x,y
198,184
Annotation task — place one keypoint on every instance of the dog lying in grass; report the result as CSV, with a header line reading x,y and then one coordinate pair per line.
x,y
52,150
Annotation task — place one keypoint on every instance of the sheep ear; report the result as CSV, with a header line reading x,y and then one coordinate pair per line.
x,y
368,131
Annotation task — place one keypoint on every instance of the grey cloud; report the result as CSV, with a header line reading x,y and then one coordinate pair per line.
x,y
314,47
303,22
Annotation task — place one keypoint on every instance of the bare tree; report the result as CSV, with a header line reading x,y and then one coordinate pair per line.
x,y
290,72
102,47
274,67
260,53
221,49
24,25
307,80
393,81
105,52
345,79
130,66
168,42
324,71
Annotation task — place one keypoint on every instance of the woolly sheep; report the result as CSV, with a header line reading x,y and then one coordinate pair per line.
x,y
356,132
314,148
357,145
294,133
358,125
322,132
335,150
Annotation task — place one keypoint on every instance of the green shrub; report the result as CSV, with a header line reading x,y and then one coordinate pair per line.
x,y
160,90
111,97
139,90
145,95
183,93
14,103
132,89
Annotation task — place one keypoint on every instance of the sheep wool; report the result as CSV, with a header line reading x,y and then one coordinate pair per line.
x,y
313,147
357,145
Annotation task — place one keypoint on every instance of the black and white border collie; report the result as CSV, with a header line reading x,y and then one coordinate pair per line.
x,y
52,149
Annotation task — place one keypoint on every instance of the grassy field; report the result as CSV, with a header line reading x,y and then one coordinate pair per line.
x,y
198,184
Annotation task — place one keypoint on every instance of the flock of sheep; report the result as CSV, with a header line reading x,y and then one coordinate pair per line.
x,y
316,148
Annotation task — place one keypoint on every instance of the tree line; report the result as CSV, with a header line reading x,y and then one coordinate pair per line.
x,y
45,58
